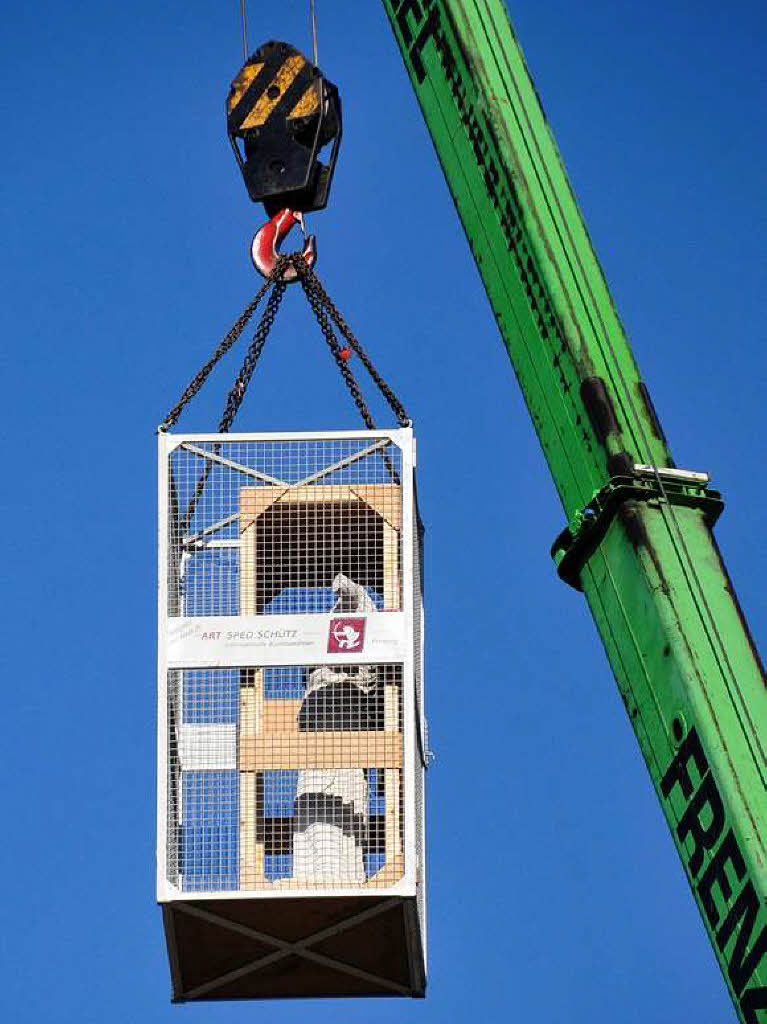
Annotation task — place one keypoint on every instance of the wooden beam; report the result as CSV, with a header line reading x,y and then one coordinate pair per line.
x,y
250,724
393,844
251,851
321,750
281,715
385,499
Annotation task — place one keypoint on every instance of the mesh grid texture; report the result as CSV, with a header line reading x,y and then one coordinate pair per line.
x,y
252,520
285,777
288,777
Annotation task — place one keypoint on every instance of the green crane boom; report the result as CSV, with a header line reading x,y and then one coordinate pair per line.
x,y
639,541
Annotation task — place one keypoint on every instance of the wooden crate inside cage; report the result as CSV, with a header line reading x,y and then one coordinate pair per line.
x,y
291,803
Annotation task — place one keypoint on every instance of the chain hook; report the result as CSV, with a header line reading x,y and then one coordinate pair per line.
x,y
264,250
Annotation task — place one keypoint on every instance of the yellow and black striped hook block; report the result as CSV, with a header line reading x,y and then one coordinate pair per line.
x,y
281,113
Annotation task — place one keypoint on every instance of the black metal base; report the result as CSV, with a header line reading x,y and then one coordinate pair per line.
x,y
294,948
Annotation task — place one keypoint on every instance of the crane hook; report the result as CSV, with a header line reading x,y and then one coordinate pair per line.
x,y
264,250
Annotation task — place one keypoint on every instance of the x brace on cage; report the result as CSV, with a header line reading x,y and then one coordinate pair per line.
x,y
283,948
265,478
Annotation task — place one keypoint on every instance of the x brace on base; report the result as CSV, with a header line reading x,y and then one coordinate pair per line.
x,y
282,949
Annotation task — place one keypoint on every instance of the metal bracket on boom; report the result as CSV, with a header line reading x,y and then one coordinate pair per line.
x,y
582,536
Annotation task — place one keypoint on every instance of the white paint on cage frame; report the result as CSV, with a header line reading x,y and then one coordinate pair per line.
x,y
177,636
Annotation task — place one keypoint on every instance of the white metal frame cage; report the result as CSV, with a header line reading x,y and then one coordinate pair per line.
x,y
291,732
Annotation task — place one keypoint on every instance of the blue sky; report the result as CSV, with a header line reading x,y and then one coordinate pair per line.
x,y
126,230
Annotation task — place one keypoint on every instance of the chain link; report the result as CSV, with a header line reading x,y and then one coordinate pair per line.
x,y
237,393
199,379
240,386
394,403
325,311
307,279
318,299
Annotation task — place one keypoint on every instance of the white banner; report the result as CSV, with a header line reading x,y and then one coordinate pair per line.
x,y
262,640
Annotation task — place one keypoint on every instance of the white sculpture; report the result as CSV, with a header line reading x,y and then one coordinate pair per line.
x,y
331,809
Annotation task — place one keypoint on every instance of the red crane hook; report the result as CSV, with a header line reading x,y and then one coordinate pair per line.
x,y
264,250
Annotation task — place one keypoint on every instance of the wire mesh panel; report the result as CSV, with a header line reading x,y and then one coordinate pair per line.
x,y
291,734
287,776
250,520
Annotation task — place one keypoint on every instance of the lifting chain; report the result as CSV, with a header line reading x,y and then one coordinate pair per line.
x,y
202,375
255,349
394,403
321,305
319,312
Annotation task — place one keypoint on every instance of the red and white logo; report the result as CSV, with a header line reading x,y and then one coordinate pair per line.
x,y
346,636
